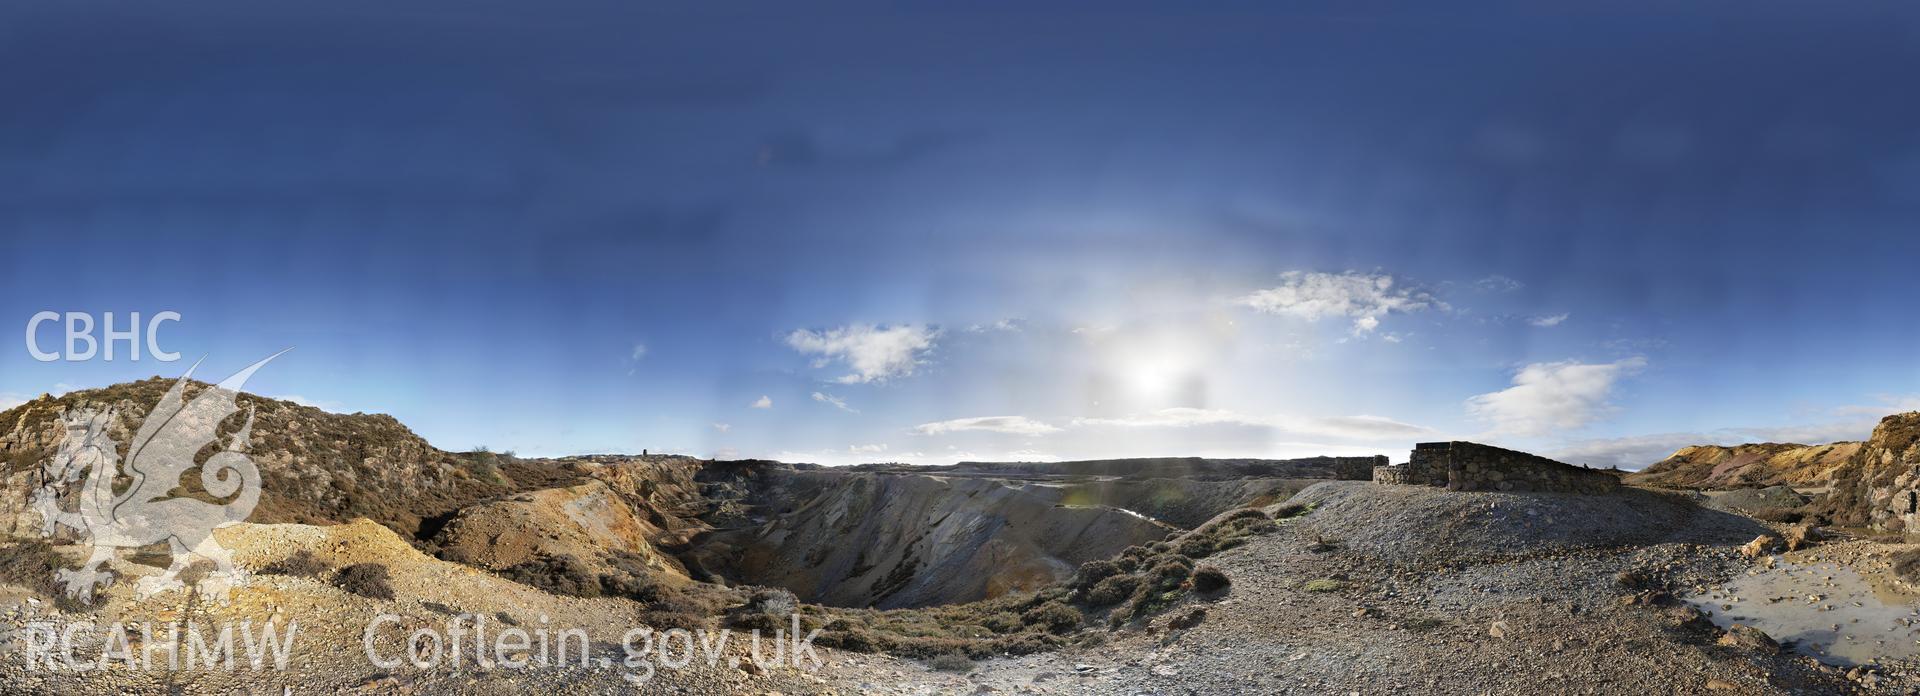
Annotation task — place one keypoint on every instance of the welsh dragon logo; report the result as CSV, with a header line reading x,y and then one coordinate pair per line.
x,y
152,508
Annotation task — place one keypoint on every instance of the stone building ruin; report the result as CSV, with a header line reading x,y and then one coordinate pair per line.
x,y
1471,466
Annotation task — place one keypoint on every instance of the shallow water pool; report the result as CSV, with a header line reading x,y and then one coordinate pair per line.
x,y
1826,610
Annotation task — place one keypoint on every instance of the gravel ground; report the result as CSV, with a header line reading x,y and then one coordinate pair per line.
x,y
1453,593
1420,591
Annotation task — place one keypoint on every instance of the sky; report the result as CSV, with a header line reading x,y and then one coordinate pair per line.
x,y
930,233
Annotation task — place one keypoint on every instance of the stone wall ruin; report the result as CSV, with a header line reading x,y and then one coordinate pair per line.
x,y
1471,466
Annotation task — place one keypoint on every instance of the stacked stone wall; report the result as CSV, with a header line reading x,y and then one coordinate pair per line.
x,y
1357,468
1470,466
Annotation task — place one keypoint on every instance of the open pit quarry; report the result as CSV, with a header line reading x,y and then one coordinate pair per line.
x,y
1467,569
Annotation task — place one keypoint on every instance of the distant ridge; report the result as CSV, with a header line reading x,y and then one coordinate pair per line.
x,y
1201,468
1747,466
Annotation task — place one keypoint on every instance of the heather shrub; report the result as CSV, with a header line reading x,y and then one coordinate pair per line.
x,y
1208,579
366,579
1111,591
561,574
1092,572
1291,510
951,662
1055,617
299,564
1002,622
31,564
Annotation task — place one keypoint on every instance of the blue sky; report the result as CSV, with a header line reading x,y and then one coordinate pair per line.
x,y
1255,230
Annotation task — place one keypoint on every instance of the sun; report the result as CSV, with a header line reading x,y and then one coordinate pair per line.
x,y
1156,370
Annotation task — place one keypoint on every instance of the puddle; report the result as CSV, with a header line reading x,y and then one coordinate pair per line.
x,y
1825,610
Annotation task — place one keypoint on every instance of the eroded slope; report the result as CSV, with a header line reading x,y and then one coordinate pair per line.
x,y
900,540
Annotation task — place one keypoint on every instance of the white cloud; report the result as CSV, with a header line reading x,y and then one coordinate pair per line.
x,y
1634,452
1498,283
874,353
633,357
9,400
837,402
763,402
1174,418
1360,427
1808,434
1012,425
722,427
1556,396
1548,321
1027,455
1362,297
333,406
1006,325
1889,404
866,449
1352,427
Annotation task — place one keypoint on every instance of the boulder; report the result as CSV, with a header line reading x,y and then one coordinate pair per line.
x,y
1762,545
1801,536
1749,638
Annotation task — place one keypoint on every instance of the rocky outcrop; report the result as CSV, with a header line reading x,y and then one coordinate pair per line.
x,y
1747,466
638,508
1874,484
316,466
1879,486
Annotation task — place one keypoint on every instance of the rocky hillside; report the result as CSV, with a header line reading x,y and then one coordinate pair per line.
x,y
886,536
1880,485
640,509
1874,484
1747,466
317,467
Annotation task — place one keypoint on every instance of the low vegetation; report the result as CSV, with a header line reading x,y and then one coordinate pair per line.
x,y
952,662
627,576
300,564
1422,624
368,580
1225,532
1906,566
1324,585
1142,582
32,564
1208,580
